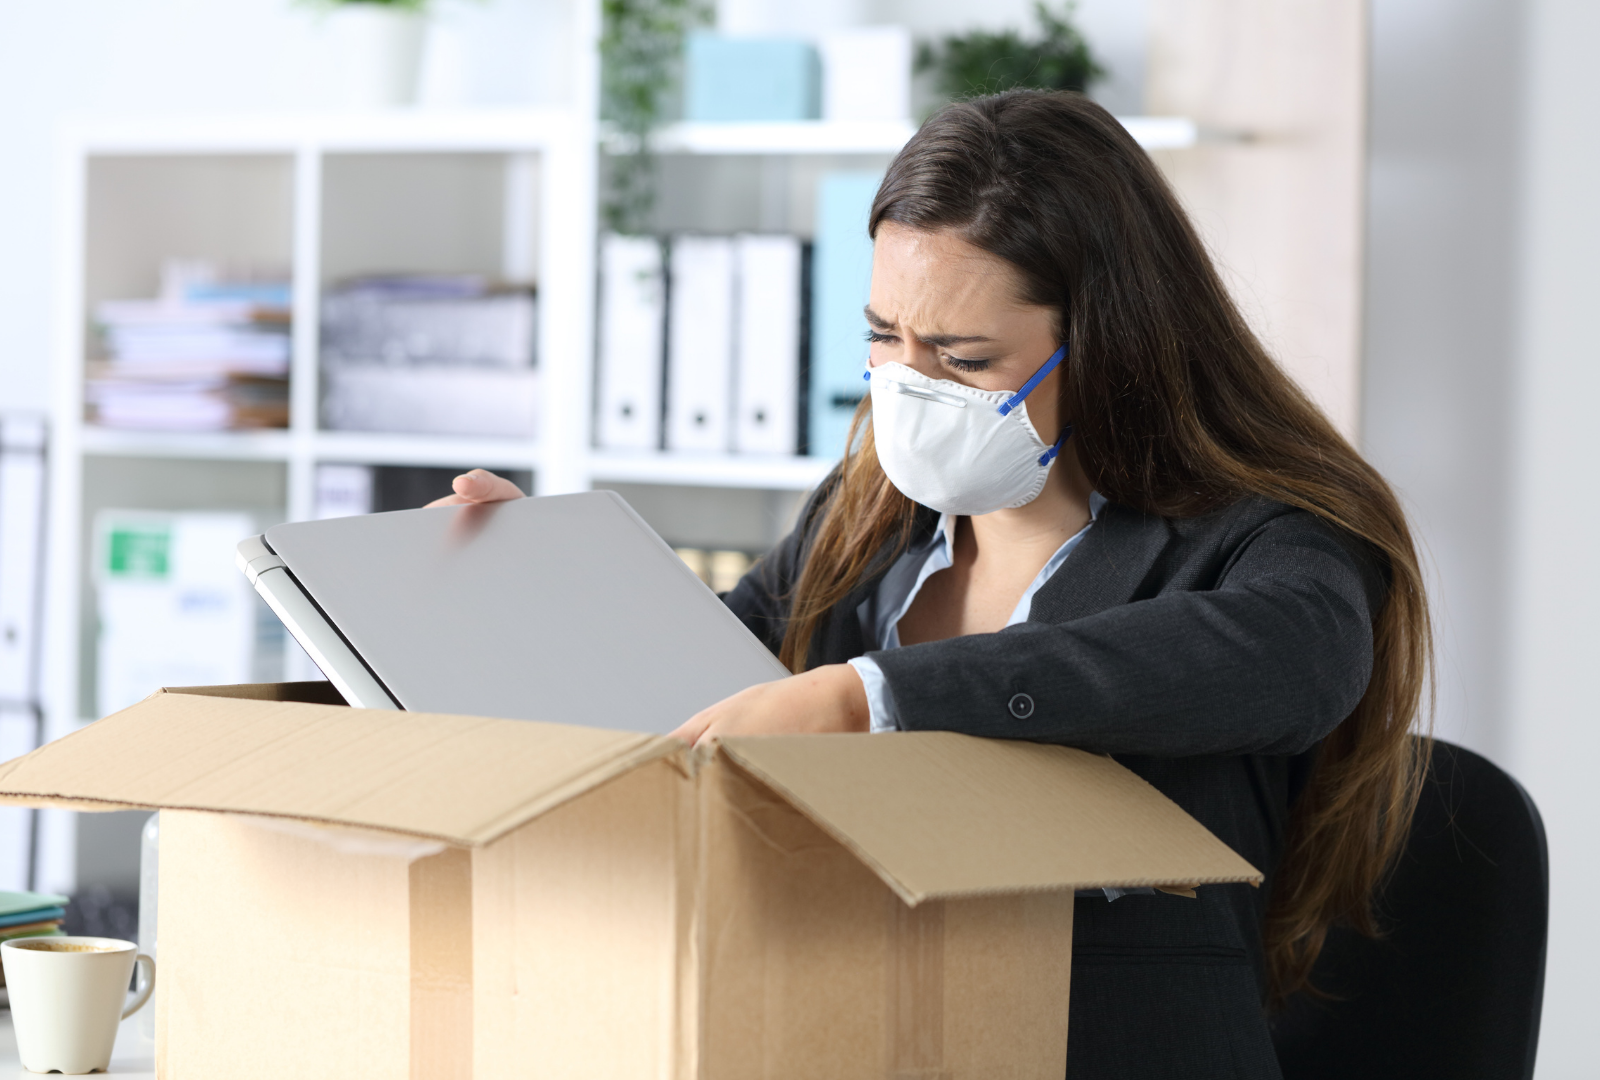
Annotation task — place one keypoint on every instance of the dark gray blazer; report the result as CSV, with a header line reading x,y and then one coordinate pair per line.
x,y
1209,655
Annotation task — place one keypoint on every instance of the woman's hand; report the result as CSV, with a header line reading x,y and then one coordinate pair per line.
x,y
479,486
825,699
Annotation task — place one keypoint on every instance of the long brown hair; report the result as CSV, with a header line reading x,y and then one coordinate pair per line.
x,y
1178,410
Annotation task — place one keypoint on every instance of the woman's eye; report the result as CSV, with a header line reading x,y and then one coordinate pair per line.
x,y
876,338
965,365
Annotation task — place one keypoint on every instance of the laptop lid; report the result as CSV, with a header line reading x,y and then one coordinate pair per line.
x,y
566,608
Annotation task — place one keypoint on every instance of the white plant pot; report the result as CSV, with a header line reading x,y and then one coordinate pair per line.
x,y
379,53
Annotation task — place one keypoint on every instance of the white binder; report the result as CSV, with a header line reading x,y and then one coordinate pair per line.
x,y
632,316
767,348
700,343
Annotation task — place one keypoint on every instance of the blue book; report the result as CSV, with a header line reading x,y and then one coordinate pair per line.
x,y
841,279
23,918
728,79
266,294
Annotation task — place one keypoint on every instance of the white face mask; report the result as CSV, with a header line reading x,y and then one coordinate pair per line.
x,y
956,449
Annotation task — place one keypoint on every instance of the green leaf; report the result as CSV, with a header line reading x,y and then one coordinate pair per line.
x,y
641,76
987,62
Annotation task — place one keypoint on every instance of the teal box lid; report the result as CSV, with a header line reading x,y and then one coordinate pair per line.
x,y
731,79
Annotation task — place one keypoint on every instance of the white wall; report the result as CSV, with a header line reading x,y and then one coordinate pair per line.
x,y
1555,509
1440,332
1481,372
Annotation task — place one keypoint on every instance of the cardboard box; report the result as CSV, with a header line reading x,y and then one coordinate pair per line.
x,y
381,894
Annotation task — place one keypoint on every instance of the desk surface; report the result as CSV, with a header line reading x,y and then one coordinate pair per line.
x,y
134,1056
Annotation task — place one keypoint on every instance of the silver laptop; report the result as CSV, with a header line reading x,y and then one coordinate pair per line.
x,y
567,608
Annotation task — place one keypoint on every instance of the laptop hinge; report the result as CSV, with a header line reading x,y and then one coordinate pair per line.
x,y
254,557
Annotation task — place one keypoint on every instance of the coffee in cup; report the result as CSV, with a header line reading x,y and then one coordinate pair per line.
x,y
67,996
55,945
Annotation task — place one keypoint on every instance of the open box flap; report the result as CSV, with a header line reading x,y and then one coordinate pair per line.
x,y
937,815
934,814
465,780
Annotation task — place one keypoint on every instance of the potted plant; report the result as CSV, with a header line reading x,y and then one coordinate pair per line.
x,y
641,71
379,45
984,62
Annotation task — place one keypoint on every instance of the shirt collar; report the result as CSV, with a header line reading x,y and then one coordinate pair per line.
x,y
944,533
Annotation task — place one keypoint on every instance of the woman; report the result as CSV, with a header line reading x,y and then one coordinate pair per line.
x,y
1083,506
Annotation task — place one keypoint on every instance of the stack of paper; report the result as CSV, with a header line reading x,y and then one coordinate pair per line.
x,y
211,353
429,354
30,914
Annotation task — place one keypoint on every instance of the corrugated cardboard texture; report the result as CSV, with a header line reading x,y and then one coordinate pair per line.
x,y
441,966
814,970
936,815
465,780
279,956
731,915
577,926
943,815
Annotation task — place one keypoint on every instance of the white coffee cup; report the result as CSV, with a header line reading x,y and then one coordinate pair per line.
x,y
67,995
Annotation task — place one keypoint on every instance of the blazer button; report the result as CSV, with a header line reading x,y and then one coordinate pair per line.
x,y
1021,706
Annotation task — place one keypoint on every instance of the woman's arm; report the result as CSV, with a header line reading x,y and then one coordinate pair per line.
x,y
1268,662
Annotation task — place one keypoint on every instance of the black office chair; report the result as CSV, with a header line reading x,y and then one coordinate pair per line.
x,y
1454,988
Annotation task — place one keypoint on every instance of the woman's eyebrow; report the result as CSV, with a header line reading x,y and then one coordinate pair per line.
x,y
946,340
937,340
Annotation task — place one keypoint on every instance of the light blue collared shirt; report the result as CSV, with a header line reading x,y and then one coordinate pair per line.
x,y
880,613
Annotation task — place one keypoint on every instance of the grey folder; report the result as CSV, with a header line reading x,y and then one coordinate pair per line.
x,y
567,608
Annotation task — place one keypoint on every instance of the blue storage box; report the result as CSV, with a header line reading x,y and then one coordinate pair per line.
x,y
728,78
841,269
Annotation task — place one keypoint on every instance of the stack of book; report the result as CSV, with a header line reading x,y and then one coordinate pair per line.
x,y
719,569
29,914
429,354
211,353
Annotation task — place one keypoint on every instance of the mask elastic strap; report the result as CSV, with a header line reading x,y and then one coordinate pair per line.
x,y
1038,376
1050,455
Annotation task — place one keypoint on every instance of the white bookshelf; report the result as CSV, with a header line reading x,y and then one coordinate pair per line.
x,y
543,162
757,471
